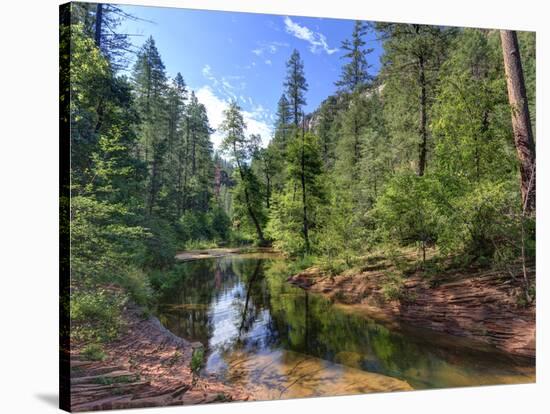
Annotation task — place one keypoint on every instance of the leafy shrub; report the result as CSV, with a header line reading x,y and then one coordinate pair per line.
x,y
197,360
160,246
193,225
102,244
96,315
392,286
481,221
219,223
94,352
407,211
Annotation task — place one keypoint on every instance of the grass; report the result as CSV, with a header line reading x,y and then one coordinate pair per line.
x,y
392,286
94,352
123,379
301,263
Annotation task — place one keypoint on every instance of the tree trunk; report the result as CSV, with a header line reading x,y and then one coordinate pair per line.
x,y
247,200
194,155
98,23
268,191
154,184
423,147
304,199
521,121
185,200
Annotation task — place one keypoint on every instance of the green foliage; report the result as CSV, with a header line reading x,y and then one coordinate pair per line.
x,y
95,315
343,233
480,220
197,360
354,73
471,117
412,58
286,224
204,228
248,192
123,379
94,352
392,286
329,187
103,245
406,213
248,203
296,86
160,247
219,223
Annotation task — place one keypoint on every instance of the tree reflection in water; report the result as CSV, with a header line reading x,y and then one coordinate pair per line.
x,y
284,342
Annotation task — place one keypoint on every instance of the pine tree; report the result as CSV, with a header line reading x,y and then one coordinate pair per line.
x,y
296,212
150,85
175,160
413,56
355,72
327,130
296,86
283,123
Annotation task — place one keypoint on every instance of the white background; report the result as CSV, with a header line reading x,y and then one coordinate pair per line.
x,y
28,203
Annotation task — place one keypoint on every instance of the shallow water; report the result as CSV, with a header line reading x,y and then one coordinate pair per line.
x,y
280,341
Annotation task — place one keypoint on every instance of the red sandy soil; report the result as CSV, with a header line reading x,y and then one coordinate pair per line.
x,y
147,367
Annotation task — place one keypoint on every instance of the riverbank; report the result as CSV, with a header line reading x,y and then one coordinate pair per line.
x,y
482,305
190,255
147,366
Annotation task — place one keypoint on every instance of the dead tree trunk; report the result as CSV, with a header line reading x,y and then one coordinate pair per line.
x,y
521,121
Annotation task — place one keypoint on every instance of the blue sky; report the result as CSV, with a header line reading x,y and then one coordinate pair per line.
x,y
242,56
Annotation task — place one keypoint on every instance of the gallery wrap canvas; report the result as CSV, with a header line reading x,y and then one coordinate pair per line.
x,y
264,207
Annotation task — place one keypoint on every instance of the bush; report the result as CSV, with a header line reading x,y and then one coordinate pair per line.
x,y
102,244
197,360
160,246
392,286
94,352
481,220
96,316
219,223
136,282
193,225
407,211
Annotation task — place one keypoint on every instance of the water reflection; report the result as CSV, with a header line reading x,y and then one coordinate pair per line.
x,y
283,342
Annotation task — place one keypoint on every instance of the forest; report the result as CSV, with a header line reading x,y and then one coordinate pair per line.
x,y
433,156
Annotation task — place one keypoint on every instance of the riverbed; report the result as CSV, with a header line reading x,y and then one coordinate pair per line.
x,y
279,341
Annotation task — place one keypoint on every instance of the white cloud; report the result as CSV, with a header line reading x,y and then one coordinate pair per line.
x,y
316,40
214,109
254,126
223,84
268,62
215,106
269,47
207,73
